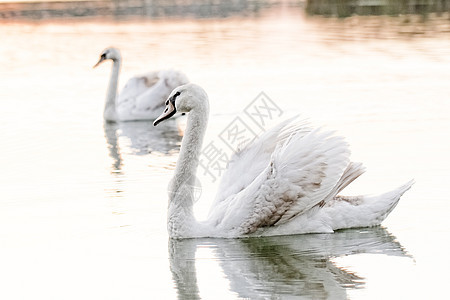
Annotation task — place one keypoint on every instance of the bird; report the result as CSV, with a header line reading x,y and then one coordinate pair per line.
x,y
142,96
287,181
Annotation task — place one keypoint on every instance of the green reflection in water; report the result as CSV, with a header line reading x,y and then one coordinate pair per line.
x,y
298,265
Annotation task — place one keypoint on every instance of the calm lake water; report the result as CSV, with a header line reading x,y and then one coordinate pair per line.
x,y
83,203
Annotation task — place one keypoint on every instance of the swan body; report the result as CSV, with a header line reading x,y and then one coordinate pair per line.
x,y
285,182
142,97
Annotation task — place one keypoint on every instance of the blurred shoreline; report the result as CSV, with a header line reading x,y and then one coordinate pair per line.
x,y
130,8
342,19
154,9
348,8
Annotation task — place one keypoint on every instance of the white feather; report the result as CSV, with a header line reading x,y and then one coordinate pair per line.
x,y
142,97
284,182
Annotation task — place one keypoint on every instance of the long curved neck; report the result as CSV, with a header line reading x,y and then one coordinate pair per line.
x,y
181,189
110,106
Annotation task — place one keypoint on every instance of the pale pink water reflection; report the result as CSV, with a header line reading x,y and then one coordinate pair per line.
x,y
82,213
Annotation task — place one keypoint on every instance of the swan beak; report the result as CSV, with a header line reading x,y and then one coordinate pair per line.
x,y
99,61
167,114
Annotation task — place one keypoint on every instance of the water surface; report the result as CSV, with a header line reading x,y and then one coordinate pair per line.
x,y
83,203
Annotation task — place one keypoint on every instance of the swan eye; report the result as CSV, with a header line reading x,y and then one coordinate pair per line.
x,y
103,56
173,98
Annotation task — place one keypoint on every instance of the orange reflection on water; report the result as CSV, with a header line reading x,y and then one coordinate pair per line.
x,y
382,88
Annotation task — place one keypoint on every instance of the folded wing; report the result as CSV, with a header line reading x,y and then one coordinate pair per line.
x,y
286,172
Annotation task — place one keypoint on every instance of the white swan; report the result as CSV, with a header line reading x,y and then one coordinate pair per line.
x,y
285,182
143,97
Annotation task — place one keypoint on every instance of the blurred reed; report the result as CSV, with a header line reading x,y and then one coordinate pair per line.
x,y
123,8
347,8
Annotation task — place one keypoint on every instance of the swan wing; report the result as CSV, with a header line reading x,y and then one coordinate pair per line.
x,y
159,86
300,173
127,99
143,97
134,87
247,163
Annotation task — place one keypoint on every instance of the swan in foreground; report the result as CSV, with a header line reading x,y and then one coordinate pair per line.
x,y
285,182
143,97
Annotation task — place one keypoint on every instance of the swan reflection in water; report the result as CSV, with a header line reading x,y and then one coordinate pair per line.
x,y
297,265
140,138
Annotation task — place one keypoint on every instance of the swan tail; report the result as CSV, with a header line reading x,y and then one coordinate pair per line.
x,y
363,211
353,171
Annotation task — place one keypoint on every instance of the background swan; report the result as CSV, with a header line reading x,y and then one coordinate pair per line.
x,y
143,97
285,182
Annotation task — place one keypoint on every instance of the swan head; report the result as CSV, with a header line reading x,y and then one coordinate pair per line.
x,y
109,53
184,99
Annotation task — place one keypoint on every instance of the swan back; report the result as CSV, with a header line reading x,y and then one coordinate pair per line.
x,y
143,96
247,163
293,175
133,88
